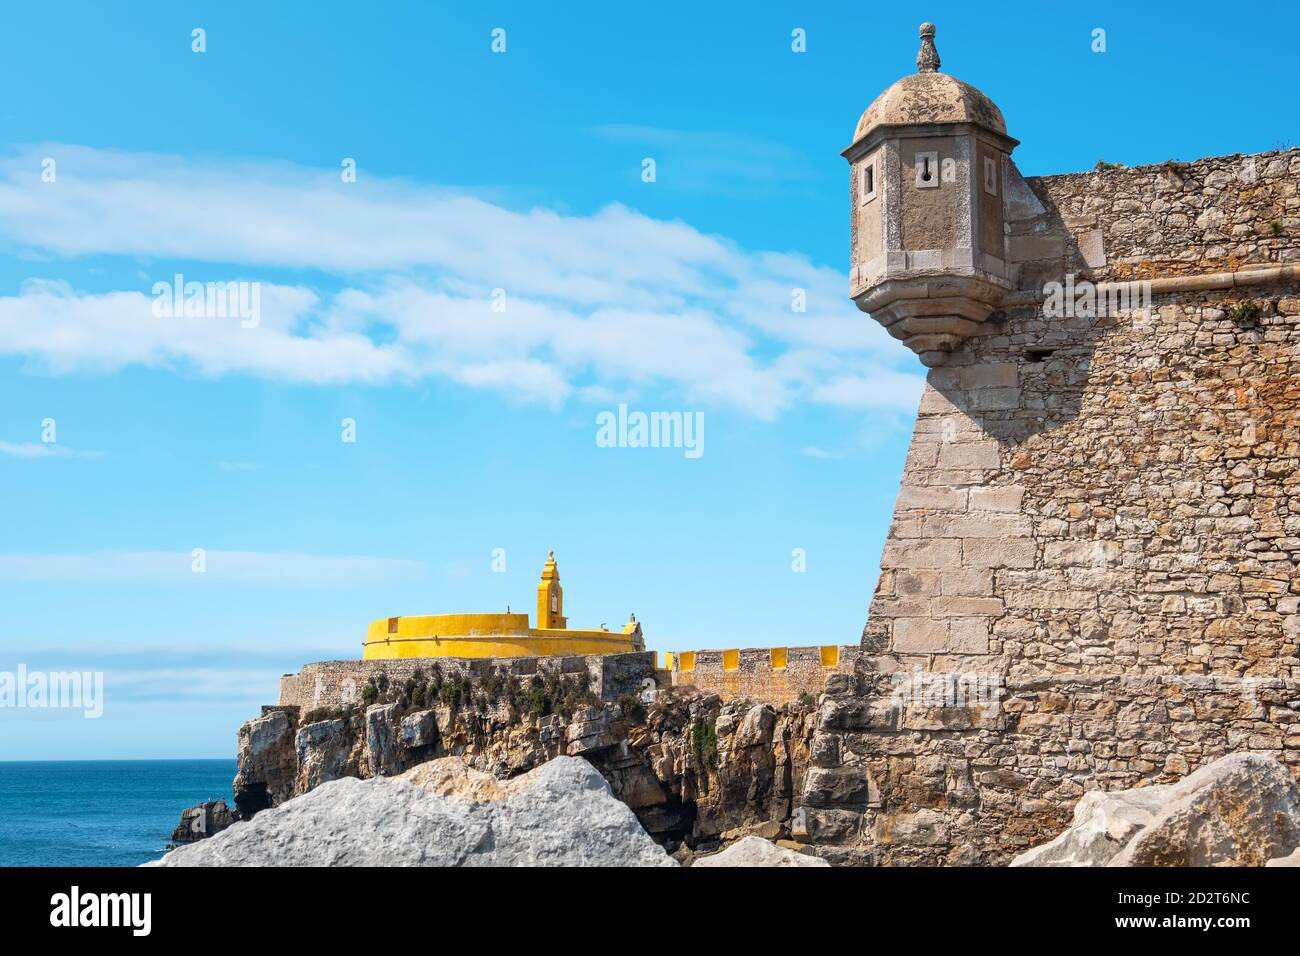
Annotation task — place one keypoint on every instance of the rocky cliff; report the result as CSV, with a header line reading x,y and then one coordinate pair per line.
x,y
691,767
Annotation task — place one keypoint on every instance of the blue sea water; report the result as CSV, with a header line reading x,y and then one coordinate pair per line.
x,y
100,812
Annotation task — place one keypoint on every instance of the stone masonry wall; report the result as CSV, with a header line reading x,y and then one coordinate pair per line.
x,y
776,675
336,683
1098,526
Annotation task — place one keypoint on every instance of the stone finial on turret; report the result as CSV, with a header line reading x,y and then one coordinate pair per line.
x,y
927,58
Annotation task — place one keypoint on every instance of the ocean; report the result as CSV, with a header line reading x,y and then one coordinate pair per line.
x,y
100,812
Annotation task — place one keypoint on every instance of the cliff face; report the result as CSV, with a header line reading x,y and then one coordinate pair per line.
x,y
688,765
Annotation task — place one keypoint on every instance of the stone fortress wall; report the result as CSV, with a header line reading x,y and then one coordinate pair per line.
x,y
777,675
1099,517
337,683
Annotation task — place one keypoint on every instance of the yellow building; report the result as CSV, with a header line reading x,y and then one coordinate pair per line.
x,y
498,635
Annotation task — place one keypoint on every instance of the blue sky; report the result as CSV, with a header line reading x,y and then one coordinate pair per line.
x,y
477,171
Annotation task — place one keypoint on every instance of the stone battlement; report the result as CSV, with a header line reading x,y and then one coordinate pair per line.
x,y
774,674
1092,499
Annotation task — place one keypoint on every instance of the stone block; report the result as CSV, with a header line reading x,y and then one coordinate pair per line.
x,y
966,606
1051,600
1036,245
1092,247
967,583
969,636
1058,554
936,554
990,525
1008,499
922,828
991,375
999,552
920,583
837,787
934,402
920,636
996,399
934,499
973,455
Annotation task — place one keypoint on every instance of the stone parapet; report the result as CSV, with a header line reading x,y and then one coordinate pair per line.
x,y
774,674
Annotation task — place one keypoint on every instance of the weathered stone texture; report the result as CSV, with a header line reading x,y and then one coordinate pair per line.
x,y
1101,515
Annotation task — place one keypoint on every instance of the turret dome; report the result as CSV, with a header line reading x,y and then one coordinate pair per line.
x,y
929,96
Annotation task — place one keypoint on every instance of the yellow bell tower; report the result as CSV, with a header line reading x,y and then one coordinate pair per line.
x,y
550,597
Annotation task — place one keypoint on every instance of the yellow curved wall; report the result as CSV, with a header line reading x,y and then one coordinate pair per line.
x,y
484,635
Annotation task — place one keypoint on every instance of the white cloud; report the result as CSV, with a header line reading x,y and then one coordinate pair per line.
x,y
397,283
253,566
812,451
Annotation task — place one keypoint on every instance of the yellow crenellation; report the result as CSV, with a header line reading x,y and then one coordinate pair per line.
x,y
498,635
775,674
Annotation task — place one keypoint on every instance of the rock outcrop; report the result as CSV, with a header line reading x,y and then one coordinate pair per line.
x,y
694,770
383,740
203,821
327,750
561,814
755,851
1243,810
268,762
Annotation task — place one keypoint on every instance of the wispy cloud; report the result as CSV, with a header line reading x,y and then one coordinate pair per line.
x,y
34,449
611,303
812,451
239,675
250,566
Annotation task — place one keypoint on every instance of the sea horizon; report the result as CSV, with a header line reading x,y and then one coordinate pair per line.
x,y
101,812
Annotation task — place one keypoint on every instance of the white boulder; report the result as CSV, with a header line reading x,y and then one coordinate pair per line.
x,y
561,814
1242,810
755,851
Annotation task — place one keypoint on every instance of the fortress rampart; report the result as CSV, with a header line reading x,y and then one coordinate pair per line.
x,y
777,675
336,683
1100,514
1091,575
